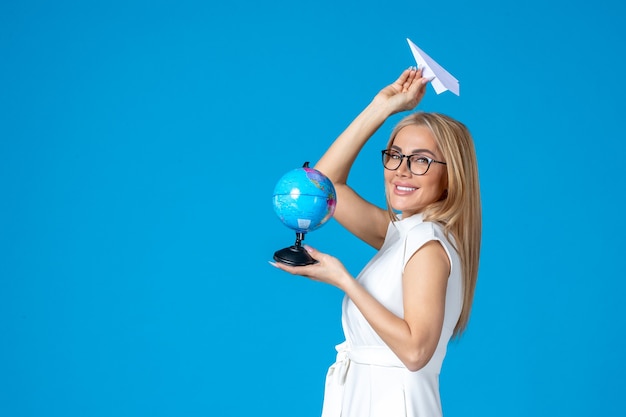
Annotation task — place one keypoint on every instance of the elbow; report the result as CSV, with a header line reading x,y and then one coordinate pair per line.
x,y
417,359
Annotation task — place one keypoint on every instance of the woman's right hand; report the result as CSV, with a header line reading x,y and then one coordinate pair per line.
x,y
405,93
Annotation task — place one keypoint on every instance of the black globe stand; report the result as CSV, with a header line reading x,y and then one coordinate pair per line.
x,y
295,255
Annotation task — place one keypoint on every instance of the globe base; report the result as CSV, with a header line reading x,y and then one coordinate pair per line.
x,y
295,255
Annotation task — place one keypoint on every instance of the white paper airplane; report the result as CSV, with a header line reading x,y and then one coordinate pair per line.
x,y
442,80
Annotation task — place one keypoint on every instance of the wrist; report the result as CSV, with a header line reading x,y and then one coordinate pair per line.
x,y
347,283
379,110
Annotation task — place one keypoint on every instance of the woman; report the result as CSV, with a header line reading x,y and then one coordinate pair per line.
x,y
417,291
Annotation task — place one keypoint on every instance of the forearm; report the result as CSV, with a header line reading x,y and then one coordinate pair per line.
x,y
339,158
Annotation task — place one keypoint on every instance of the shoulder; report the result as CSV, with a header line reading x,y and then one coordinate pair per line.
x,y
426,228
423,233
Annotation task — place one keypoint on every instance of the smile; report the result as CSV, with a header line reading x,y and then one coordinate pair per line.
x,y
406,189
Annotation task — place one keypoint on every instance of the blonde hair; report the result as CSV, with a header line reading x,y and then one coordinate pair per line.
x,y
459,211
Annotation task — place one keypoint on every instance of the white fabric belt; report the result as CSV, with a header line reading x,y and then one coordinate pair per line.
x,y
336,376
374,355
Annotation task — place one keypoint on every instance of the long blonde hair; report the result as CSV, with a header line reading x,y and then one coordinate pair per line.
x,y
460,210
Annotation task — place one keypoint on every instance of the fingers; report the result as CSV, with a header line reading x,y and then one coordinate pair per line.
x,y
409,80
328,269
310,271
404,76
312,251
294,270
419,83
408,77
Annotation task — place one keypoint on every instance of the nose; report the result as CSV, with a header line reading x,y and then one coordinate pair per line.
x,y
403,170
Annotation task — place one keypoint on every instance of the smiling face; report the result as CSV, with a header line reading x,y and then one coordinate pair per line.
x,y
407,192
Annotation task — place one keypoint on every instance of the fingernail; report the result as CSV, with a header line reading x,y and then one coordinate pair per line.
x,y
273,264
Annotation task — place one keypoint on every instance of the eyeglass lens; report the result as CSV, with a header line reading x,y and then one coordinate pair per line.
x,y
418,164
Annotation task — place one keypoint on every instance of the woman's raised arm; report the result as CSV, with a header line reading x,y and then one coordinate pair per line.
x,y
363,219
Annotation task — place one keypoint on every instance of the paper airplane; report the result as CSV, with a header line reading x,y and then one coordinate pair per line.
x,y
442,80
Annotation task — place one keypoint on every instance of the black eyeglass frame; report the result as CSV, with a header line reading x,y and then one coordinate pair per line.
x,y
388,153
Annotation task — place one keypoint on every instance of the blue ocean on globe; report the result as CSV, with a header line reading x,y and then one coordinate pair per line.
x,y
304,199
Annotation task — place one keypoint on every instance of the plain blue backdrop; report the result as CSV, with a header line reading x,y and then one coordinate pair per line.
x,y
140,142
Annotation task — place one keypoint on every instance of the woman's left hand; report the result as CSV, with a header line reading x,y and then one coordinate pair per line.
x,y
328,269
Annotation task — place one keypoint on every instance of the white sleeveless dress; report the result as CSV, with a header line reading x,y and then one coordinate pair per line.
x,y
368,380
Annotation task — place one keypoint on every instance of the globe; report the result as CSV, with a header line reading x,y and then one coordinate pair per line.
x,y
304,199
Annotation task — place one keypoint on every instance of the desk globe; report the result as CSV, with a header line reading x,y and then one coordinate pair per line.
x,y
304,199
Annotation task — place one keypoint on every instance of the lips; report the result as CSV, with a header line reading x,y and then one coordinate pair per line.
x,y
404,189
401,188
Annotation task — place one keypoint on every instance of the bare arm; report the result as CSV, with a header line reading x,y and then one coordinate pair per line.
x,y
363,219
414,337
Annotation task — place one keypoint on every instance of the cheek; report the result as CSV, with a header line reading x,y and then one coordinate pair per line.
x,y
442,178
438,186
444,182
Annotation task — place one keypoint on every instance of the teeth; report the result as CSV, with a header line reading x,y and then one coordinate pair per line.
x,y
405,188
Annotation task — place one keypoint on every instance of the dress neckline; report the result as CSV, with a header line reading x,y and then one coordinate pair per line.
x,y
403,225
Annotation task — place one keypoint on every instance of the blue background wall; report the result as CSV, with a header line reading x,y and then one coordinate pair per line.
x,y
139,146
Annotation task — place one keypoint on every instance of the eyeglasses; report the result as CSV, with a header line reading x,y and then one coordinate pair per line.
x,y
418,164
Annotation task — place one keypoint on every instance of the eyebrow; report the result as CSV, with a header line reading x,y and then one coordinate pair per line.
x,y
415,151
